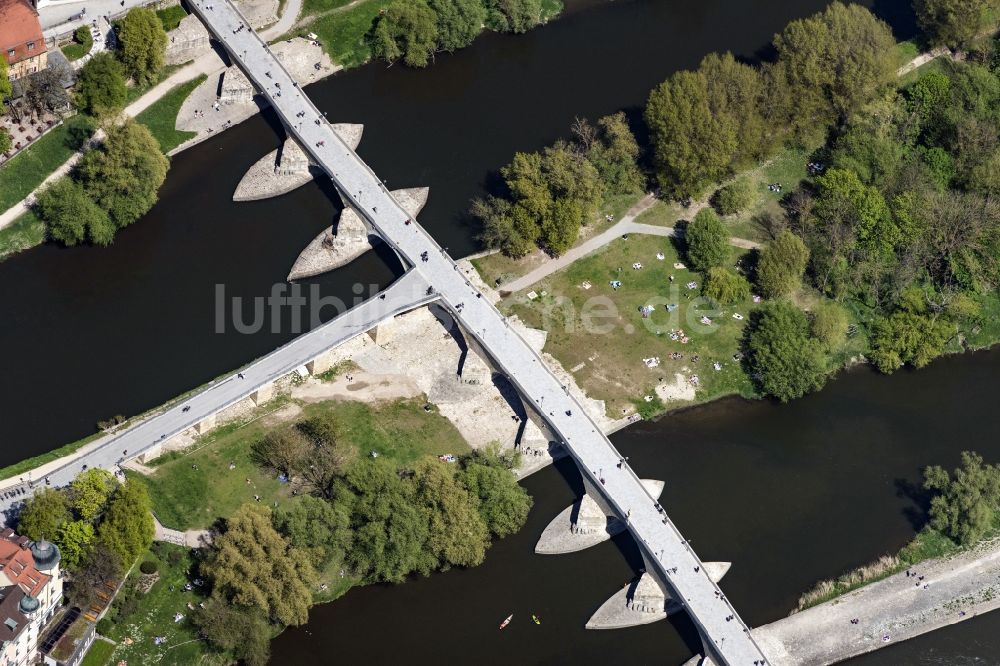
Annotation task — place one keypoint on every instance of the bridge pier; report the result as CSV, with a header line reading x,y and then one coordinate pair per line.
x,y
585,523
645,600
322,363
262,394
384,333
206,424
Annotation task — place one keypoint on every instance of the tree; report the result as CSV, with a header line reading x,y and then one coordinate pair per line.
x,y
614,152
127,527
457,534
101,89
284,450
99,568
707,241
44,91
733,198
832,63
692,146
702,124
143,44
327,458
782,263
405,29
785,360
240,631
953,23
504,227
829,324
389,529
252,565
458,22
317,528
71,216
964,507
75,538
123,174
515,16
503,503
911,334
90,491
724,285
843,200
43,514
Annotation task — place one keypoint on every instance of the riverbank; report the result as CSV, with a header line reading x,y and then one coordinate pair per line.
x,y
925,597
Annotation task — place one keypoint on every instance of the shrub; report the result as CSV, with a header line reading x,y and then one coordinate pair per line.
x,y
733,198
149,567
782,263
104,626
829,324
725,285
707,241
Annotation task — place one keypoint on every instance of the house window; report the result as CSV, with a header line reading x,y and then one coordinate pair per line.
x,y
31,46
10,53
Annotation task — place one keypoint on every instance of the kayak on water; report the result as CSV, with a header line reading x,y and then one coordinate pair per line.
x,y
535,619
504,624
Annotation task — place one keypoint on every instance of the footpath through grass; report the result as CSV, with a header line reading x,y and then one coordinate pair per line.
x,y
161,116
191,489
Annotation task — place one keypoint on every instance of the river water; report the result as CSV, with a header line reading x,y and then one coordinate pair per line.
x,y
788,493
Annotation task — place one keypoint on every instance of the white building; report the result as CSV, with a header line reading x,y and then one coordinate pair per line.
x,y
31,588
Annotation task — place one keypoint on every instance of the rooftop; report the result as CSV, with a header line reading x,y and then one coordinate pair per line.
x,y
19,26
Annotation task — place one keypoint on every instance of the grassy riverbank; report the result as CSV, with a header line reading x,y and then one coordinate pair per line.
x,y
342,26
161,116
193,488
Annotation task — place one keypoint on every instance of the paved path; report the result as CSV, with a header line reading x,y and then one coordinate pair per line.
x,y
666,551
407,293
626,225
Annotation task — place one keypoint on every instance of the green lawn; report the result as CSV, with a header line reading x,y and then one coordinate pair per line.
x,y
76,50
161,116
611,353
99,653
24,232
342,34
171,17
310,7
155,617
191,489
26,170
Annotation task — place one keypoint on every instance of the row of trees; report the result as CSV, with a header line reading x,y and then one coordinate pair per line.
x,y
368,517
414,30
551,194
100,526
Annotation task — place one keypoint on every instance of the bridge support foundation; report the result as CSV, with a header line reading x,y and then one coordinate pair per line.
x,y
206,424
263,394
321,363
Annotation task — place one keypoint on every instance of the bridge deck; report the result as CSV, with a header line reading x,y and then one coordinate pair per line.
x,y
406,293
730,640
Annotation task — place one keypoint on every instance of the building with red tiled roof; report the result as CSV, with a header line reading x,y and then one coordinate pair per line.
x,y
21,40
30,592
